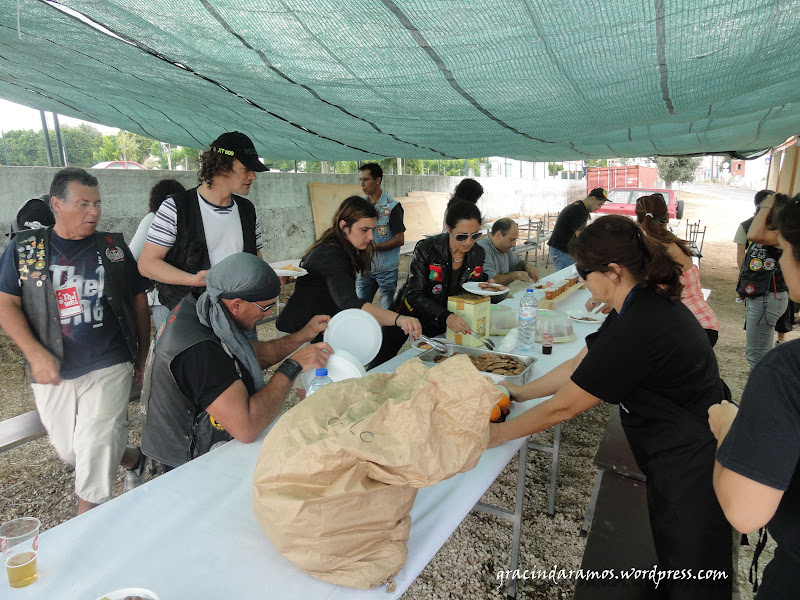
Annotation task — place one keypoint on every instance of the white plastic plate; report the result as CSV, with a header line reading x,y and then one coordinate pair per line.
x,y
355,331
472,288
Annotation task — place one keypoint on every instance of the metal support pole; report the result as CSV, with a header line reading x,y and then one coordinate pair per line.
x,y
466,168
47,149
5,150
62,151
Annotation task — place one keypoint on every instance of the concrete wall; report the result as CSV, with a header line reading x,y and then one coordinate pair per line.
x,y
281,199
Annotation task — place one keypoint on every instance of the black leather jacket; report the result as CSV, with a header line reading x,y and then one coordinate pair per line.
x,y
426,289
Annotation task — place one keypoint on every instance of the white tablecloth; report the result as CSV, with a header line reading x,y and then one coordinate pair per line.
x,y
191,534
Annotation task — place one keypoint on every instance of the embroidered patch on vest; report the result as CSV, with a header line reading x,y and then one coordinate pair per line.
x,y
756,264
769,264
383,230
115,254
435,273
437,289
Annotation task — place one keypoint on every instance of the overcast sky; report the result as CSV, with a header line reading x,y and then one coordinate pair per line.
x,y
17,116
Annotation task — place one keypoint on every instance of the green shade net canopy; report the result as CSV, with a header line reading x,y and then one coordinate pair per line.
x,y
336,80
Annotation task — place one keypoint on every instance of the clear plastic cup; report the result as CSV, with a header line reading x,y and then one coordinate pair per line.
x,y
19,542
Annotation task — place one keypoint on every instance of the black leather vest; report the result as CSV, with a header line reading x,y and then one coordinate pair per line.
x,y
39,298
190,251
760,272
174,431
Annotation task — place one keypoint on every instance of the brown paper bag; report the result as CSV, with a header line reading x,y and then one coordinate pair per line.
x,y
338,473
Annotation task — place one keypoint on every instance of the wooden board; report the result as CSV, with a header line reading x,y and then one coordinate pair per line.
x,y
418,219
424,211
437,203
553,304
325,199
788,177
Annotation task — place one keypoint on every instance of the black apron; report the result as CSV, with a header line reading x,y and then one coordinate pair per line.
x,y
676,452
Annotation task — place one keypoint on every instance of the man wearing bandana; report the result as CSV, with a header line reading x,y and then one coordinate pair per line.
x,y
73,301
389,237
206,381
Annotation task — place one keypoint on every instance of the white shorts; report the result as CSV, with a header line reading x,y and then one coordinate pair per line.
x,y
87,422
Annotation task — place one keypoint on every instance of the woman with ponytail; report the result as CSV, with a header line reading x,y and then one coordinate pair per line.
x,y
651,357
652,214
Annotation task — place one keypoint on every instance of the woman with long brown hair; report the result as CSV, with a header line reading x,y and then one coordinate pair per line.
x,y
652,358
333,262
653,216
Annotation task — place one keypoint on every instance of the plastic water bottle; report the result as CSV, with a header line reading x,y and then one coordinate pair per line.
x,y
526,325
321,379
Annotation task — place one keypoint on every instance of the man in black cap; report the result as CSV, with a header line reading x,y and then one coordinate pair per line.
x,y
570,220
206,380
196,229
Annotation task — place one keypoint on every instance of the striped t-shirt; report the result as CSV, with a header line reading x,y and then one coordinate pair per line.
x,y
222,225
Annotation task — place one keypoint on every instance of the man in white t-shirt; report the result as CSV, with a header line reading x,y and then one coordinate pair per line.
x,y
194,230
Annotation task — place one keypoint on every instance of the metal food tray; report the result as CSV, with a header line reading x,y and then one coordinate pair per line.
x,y
428,355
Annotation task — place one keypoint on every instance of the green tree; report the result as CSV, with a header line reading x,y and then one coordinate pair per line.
x,y
676,168
25,148
186,157
80,143
554,168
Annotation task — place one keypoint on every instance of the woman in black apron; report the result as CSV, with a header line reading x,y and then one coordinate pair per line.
x,y
652,357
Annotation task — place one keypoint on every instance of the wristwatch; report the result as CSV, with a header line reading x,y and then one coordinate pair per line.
x,y
290,368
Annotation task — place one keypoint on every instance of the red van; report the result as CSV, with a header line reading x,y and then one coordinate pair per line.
x,y
622,201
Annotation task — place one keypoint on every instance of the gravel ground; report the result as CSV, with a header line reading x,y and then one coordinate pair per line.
x,y
33,481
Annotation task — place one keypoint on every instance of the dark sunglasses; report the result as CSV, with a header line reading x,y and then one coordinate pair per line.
x,y
582,272
462,237
263,308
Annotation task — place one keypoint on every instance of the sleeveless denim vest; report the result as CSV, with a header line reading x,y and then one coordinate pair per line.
x,y
385,260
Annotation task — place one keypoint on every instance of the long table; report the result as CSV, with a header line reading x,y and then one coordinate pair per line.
x,y
191,533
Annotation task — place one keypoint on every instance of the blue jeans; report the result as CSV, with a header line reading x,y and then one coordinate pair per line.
x,y
762,314
561,259
368,283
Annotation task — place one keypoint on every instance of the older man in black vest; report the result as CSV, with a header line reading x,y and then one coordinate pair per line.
x,y
73,301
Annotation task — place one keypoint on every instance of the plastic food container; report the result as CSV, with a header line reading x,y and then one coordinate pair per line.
x,y
429,355
502,319
556,321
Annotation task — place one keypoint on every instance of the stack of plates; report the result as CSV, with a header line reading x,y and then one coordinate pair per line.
x,y
341,365
355,337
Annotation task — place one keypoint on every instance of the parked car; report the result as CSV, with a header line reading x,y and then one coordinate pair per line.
x,y
623,202
118,164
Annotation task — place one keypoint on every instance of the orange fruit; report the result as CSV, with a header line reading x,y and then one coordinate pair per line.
x,y
504,402
496,413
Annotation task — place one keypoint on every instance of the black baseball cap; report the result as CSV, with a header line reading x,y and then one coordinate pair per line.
x,y
599,193
239,146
